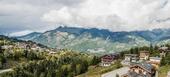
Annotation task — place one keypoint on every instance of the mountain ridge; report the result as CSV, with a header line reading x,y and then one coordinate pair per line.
x,y
94,39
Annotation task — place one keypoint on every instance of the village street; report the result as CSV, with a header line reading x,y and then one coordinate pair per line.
x,y
119,71
5,70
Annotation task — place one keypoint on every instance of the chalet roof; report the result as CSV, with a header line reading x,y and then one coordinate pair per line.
x,y
163,48
51,52
134,74
131,54
146,66
107,58
114,55
144,51
155,58
169,73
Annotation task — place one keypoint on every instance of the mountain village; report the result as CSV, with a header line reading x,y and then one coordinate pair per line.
x,y
137,65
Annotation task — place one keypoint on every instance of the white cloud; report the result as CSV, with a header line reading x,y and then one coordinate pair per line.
x,y
61,15
116,15
21,33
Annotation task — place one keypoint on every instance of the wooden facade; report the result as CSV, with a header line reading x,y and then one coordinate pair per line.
x,y
140,70
107,60
144,55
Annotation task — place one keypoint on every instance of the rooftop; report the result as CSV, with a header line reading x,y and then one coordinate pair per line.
x,y
144,51
131,54
169,73
134,74
163,48
148,67
156,58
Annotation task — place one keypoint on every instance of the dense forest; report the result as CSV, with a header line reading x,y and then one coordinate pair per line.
x,y
64,63
154,52
153,49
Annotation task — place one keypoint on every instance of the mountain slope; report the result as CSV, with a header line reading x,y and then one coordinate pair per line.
x,y
95,40
30,36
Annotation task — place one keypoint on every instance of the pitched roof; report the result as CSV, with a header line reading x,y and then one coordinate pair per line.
x,y
134,74
169,73
163,48
155,58
144,51
146,66
131,54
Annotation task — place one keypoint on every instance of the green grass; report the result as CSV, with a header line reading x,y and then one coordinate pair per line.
x,y
97,71
164,70
10,63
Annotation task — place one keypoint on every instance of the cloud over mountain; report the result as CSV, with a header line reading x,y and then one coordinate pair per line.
x,y
115,15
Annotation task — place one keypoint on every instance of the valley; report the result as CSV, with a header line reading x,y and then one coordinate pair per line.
x,y
84,38
95,40
26,58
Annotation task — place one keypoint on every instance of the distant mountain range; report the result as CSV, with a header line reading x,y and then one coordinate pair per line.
x,y
98,40
30,36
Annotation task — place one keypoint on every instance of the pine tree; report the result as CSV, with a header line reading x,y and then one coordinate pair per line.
x,y
163,61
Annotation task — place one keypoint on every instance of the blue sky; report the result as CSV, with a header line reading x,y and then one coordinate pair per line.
x,y
19,17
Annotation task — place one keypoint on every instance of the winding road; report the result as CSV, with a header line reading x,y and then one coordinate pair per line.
x,y
119,71
5,70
